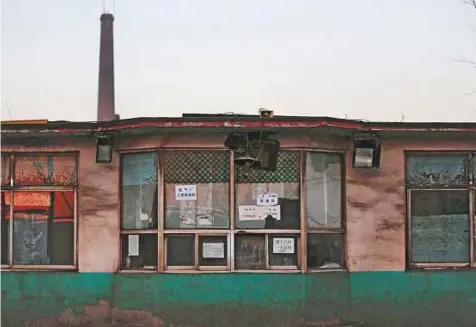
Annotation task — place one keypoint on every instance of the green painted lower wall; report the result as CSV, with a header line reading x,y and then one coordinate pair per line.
x,y
364,298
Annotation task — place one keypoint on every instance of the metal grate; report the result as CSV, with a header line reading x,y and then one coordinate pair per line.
x,y
196,167
287,171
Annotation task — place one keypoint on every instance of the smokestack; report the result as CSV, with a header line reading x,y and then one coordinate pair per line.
x,y
106,70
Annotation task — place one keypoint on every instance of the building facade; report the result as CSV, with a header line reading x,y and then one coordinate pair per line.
x,y
173,232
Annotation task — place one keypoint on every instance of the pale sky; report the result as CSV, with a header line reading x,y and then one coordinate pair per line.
x,y
367,59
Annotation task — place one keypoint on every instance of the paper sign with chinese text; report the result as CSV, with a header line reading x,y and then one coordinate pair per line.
x,y
185,192
283,245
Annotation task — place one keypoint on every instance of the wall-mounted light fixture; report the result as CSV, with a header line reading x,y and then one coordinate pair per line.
x,y
104,149
366,153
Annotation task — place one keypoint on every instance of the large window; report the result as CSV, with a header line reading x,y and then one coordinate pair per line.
x,y
439,211
38,210
187,210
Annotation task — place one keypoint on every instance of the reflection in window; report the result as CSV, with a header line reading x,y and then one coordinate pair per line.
x,y
196,189
139,251
437,169
139,191
48,169
5,225
323,183
5,162
440,226
180,250
43,227
325,251
250,252
269,199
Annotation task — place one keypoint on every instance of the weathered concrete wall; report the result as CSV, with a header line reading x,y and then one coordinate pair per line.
x,y
336,299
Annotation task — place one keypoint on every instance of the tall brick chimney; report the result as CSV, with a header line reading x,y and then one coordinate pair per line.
x,y
106,111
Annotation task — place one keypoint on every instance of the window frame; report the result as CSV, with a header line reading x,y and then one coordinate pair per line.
x,y
12,188
232,231
469,187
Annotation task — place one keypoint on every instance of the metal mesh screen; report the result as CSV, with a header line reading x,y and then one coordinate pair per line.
x,y
196,167
287,171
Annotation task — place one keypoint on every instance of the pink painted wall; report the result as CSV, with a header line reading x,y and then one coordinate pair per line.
x,y
375,201
376,206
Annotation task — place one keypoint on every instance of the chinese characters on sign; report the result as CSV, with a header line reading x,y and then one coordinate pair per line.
x,y
185,192
133,246
283,245
248,212
267,199
213,250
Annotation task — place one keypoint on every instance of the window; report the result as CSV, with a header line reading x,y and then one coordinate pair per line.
x,y
439,211
38,211
139,211
323,189
268,202
197,201
186,210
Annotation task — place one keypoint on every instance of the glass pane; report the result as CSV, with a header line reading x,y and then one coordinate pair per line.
x,y
48,169
269,199
43,228
474,168
196,189
139,251
283,250
437,169
213,250
250,252
323,190
5,170
5,218
440,226
325,251
181,250
139,191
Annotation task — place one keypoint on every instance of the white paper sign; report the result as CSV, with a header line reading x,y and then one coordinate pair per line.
x,y
185,192
283,245
213,250
248,212
274,211
267,199
133,245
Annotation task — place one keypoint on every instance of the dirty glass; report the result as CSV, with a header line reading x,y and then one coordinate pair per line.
x,y
139,251
181,250
323,186
474,168
213,250
269,199
250,252
43,228
5,161
283,250
139,191
48,169
197,189
440,226
325,251
437,169
5,225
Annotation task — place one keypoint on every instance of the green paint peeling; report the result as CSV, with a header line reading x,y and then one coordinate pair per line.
x,y
382,298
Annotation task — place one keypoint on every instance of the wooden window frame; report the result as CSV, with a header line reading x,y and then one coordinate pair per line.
x,y
12,188
469,187
232,230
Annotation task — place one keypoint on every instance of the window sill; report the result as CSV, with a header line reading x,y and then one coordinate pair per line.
x,y
33,268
